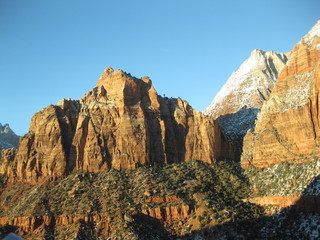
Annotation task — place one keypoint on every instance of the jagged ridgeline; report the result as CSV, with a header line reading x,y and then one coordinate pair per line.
x,y
122,124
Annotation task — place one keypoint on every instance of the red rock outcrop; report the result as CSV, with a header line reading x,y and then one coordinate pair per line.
x,y
169,214
283,201
28,227
304,203
288,126
122,123
156,199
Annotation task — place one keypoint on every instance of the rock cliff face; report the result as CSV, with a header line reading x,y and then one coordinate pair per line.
x,y
122,123
8,139
237,104
288,124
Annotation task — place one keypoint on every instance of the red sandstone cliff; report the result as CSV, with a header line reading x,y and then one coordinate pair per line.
x,y
122,123
288,126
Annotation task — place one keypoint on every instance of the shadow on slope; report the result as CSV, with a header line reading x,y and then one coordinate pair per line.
x,y
120,198
236,125
214,194
299,221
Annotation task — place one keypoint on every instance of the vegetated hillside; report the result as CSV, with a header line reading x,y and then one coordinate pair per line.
x,y
290,194
284,179
190,200
146,203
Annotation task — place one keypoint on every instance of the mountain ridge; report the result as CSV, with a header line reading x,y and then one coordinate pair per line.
x,y
250,85
8,139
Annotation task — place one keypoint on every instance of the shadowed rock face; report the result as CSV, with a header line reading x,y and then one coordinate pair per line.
x,y
8,139
288,124
235,126
122,123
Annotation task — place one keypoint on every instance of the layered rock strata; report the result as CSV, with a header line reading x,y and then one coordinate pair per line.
x,y
36,226
122,123
288,124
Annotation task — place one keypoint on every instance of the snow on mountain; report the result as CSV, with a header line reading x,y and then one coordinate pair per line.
x,y
250,85
314,32
238,102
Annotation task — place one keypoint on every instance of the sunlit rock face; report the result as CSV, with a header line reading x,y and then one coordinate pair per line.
x,y
288,124
122,124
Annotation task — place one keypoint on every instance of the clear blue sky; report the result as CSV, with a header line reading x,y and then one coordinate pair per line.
x,y
54,49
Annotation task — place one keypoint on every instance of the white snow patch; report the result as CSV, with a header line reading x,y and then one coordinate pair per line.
x,y
297,95
315,31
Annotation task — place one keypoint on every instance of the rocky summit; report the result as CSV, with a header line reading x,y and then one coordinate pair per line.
x,y
123,162
122,124
250,85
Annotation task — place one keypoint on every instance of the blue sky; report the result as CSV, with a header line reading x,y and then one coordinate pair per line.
x,y
54,49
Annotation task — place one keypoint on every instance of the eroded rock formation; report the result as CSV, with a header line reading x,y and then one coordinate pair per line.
x,y
122,123
288,125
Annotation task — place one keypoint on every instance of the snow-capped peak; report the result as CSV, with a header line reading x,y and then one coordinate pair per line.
x,y
315,31
254,77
